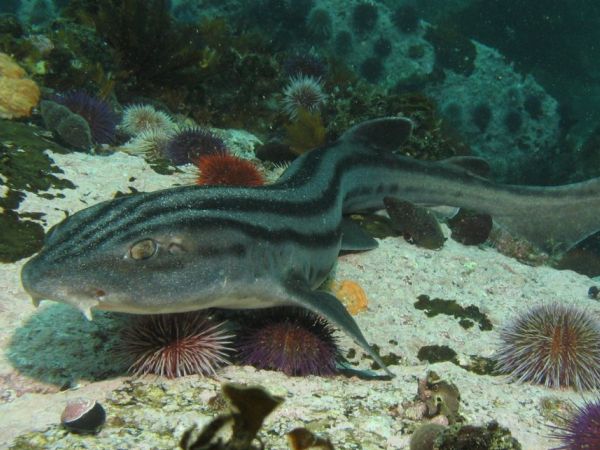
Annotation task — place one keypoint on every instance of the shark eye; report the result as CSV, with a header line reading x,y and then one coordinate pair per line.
x,y
143,249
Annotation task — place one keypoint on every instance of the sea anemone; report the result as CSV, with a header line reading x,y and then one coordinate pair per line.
x,y
303,93
97,113
188,144
581,430
554,345
18,95
175,345
291,340
227,170
139,118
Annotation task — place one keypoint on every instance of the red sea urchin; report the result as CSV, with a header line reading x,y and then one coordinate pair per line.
x,y
554,345
175,345
292,340
581,430
100,117
188,144
227,170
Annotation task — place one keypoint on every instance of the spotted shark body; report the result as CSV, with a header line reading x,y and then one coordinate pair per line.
x,y
196,247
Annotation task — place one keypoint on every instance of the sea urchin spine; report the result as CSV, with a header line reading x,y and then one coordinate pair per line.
x,y
188,144
554,345
100,117
303,93
139,118
227,170
175,345
292,340
582,429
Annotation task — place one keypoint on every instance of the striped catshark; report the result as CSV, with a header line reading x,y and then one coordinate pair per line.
x,y
197,247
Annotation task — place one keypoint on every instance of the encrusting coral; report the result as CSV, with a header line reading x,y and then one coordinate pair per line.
x,y
351,295
18,95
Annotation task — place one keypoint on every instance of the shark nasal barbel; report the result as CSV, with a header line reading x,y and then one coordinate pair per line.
x,y
195,247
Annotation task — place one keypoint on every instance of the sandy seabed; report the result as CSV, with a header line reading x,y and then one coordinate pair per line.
x,y
52,353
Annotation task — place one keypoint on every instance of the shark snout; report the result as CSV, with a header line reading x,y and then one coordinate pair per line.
x,y
31,280
42,282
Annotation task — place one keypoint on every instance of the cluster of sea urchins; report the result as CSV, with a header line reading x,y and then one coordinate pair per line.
x,y
291,340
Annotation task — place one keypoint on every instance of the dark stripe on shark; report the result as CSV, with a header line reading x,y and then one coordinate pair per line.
x,y
129,203
172,201
311,239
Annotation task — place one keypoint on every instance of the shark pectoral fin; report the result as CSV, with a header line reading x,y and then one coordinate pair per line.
x,y
384,134
354,238
328,306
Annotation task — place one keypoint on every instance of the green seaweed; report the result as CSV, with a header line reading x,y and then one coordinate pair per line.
x,y
466,315
149,46
27,136
24,167
470,437
29,170
19,238
437,353
391,359
442,353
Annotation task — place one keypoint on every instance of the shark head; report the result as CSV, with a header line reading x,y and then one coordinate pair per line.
x,y
114,256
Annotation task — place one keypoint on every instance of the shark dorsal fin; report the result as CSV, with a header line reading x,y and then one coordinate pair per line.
x,y
385,134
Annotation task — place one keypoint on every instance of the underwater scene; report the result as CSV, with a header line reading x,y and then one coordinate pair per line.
x,y
300,224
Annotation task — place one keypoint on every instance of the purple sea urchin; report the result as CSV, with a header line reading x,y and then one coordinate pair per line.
x,y
303,93
175,345
97,113
292,340
582,429
188,144
139,118
554,345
